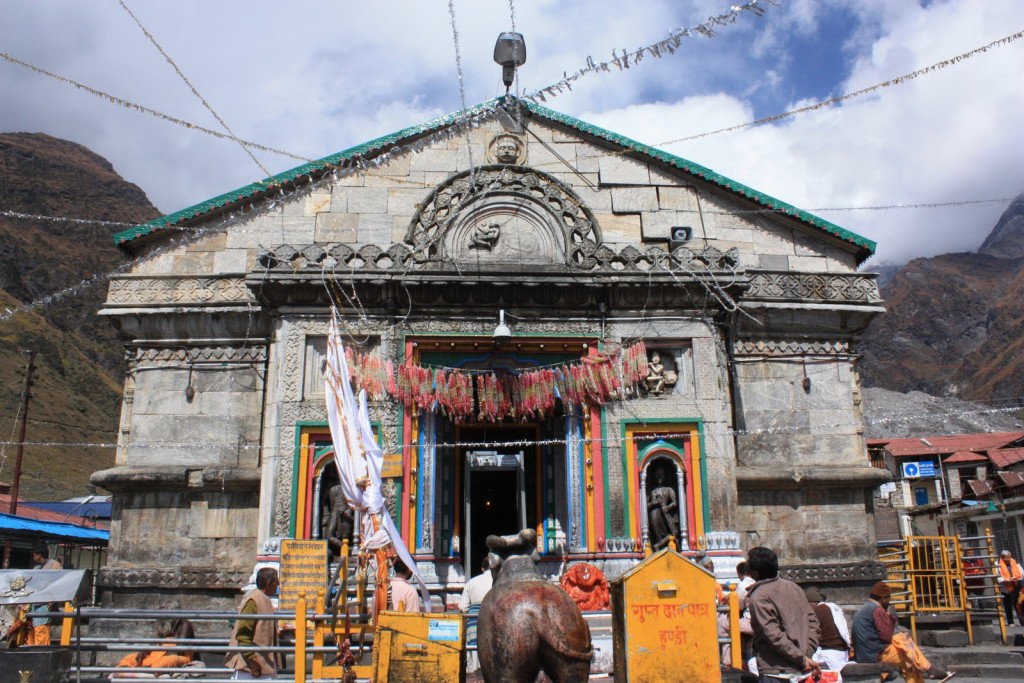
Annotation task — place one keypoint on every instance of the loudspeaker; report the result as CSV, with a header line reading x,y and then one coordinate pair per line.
x,y
679,234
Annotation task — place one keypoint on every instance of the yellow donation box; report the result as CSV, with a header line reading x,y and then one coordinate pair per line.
x,y
664,622
411,647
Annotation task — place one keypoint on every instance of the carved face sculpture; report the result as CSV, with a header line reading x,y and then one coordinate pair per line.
x,y
507,150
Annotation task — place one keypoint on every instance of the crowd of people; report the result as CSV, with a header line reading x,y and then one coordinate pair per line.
x,y
786,629
798,632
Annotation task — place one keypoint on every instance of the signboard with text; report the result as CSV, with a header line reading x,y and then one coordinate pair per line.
x,y
303,570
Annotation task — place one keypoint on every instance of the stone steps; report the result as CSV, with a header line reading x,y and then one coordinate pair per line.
x,y
988,662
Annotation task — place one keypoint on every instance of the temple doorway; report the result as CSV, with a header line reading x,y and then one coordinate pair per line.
x,y
499,485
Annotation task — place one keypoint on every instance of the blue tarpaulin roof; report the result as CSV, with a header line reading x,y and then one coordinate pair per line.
x,y
12,525
100,509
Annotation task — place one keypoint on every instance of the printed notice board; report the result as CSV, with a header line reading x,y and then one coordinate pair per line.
x,y
303,570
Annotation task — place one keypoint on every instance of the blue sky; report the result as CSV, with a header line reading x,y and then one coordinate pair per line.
x,y
314,78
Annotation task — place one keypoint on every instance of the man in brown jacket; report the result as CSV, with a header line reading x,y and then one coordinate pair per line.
x,y
256,632
785,629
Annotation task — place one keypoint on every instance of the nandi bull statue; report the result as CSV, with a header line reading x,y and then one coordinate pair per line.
x,y
528,624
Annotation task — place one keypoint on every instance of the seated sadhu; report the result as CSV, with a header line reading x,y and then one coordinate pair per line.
x,y
875,640
161,659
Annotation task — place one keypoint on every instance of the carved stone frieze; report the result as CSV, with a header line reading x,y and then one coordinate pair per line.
x,y
178,291
199,354
859,572
288,260
789,347
814,287
173,577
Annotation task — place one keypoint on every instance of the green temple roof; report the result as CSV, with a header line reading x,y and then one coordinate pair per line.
x,y
373,147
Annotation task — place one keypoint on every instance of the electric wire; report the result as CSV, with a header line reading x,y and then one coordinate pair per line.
x,y
148,110
192,87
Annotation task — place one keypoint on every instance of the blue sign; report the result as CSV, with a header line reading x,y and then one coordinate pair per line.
x,y
911,470
927,468
443,630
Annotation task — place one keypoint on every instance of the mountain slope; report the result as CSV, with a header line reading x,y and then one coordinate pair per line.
x,y
953,322
78,381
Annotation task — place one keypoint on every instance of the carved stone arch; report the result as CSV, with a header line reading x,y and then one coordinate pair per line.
x,y
501,214
663,467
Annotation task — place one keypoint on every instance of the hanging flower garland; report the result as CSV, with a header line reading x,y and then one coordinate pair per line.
x,y
460,395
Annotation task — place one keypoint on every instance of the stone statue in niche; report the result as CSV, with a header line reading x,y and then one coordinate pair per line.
x,y
662,506
340,520
659,378
485,235
507,149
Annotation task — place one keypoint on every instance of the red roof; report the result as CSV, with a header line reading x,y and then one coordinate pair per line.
x,y
965,456
1010,479
42,515
943,445
1006,456
981,487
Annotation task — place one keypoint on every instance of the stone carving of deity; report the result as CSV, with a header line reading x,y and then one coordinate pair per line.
x,y
662,511
508,149
659,378
340,520
485,235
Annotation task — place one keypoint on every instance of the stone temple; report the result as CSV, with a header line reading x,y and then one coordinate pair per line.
x,y
586,246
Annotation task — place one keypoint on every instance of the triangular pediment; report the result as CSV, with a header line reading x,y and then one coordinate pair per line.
x,y
621,157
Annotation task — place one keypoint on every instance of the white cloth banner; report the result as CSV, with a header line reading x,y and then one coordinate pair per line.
x,y
358,457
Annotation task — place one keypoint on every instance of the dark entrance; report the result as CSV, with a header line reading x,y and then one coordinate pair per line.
x,y
494,500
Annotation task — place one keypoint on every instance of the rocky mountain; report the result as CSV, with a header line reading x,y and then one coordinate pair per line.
x,y
76,397
953,322
891,414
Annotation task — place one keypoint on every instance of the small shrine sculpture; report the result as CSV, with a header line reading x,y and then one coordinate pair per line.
x,y
659,378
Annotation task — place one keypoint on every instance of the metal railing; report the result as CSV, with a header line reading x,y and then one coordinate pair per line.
x,y
941,574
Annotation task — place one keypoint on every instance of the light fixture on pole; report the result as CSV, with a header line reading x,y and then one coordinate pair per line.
x,y
510,53
502,333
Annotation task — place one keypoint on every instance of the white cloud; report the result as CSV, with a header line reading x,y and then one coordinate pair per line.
x,y
315,78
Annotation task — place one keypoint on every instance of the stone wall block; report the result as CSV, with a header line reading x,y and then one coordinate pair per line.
x,y
228,403
773,261
165,402
767,237
634,199
212,242
588,159
598,201
375,229
297,230
367,200
154,265
662,177
197,263
545,158
840,260
813,264
435,160
221,515
403,201
244,380
805,245
398,167
155,378
256,231
335,228
619,228
621,170
317,202
736,235
339,199
658,225
233,261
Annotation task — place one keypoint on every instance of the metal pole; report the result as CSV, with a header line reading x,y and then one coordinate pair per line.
x,y
26,394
